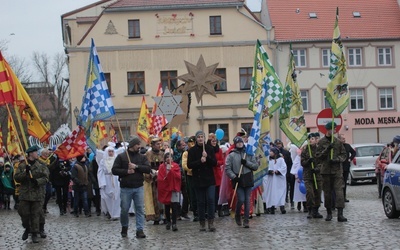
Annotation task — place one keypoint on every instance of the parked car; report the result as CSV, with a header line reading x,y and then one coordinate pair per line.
x,y
384,158
391,188
362,166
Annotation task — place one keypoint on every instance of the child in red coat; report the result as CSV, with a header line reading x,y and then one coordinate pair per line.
x,y
169,189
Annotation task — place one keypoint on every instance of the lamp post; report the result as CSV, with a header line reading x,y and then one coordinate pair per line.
x,y
76,114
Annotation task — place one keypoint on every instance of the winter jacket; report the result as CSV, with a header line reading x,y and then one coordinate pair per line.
x,y
233,165
203,173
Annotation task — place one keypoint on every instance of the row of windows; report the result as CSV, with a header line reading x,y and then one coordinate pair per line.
x,y
357,99
354,57
215,27
136,85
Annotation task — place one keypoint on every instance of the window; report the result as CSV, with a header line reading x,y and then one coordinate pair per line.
x,y
299,57
108,80
245,75
215,25
168,79
225,127
221,86
304,99
386,98
355,58
326,103
136,83
134,28
356,99
384,56
326,58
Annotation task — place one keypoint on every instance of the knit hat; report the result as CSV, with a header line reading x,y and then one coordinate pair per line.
x,y
328,126
199,133
396,139
278,141
134,141
192,139
311,135
237,139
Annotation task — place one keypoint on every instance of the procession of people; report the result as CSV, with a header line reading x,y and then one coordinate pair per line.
x,y
123,173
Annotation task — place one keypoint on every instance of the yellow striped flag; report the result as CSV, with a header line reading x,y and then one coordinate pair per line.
x,y
98,132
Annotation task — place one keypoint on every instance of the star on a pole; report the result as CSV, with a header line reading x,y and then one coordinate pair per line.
x,y
200,78
168,105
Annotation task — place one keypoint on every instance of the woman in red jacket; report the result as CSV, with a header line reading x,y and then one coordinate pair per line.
x,y
169,189
218,169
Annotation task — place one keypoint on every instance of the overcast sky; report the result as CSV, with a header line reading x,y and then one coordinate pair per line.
x,y
35,26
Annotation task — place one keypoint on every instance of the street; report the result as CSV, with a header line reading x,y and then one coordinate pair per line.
x,y
367,228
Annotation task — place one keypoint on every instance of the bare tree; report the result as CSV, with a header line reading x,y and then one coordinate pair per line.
x,y
51,75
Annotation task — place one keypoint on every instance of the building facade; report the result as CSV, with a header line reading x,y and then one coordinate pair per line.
x,y
143,43
370,34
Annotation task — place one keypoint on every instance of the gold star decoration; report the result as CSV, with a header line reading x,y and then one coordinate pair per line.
x,y
168,105
200,78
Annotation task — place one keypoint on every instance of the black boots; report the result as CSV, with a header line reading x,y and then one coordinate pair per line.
x,y
316,214
25,234
211,227
124,231
238,219
310,212
246,223
340,216
305,208
329,214
41,231
35,238
283,211
202,226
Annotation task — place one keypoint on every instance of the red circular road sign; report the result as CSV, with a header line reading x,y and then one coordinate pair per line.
x,y
324,117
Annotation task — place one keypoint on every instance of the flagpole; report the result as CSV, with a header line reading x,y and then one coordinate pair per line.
x,y
123,139
18,115
312,164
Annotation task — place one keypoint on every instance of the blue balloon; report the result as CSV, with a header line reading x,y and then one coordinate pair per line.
x,y
300,174
219,133
302,187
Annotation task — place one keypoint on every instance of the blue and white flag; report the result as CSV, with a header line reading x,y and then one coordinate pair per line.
x,y
96,103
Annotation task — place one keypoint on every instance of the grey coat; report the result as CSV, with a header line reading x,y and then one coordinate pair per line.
x,y
233,163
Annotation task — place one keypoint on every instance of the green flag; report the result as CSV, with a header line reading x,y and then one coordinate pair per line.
x,y
263,71
291,115
337,92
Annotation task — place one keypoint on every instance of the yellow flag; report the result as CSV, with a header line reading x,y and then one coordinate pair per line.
x,y
143,122
98,132
337,92
27,109
13,147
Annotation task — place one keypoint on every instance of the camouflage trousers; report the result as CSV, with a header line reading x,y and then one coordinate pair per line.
x,y
313,195
333,183
30,212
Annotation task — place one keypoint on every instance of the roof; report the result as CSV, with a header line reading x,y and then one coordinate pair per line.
x,y
171,4
379,19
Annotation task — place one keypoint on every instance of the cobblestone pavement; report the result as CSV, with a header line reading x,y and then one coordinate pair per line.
x,y
367,228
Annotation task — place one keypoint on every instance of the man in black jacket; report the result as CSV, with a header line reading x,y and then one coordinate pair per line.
x,y
351,153
201,159
130,171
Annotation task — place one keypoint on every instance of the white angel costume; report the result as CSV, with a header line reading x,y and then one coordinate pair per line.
x,y
274,193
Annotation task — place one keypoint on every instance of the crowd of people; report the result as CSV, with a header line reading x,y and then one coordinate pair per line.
x,y
167,181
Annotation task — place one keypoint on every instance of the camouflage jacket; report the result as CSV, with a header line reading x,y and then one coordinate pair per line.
x,y
323,155
30,191
305,156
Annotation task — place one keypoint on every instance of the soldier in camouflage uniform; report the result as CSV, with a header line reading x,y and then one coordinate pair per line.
x,y
33,176
313,194
331,170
